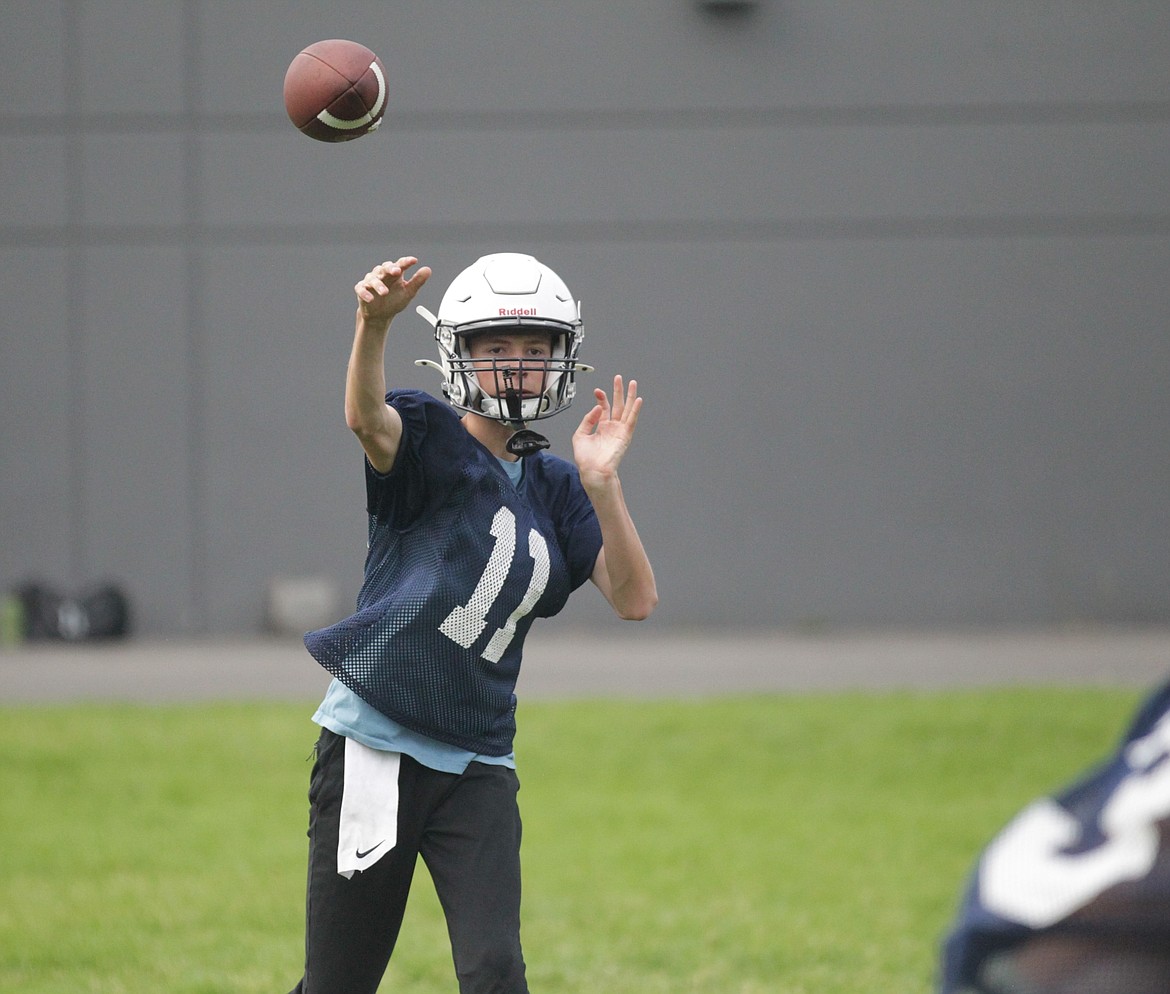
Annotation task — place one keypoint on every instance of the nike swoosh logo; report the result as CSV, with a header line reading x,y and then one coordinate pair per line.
x,y
363,855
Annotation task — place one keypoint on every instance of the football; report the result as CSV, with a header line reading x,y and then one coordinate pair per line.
x,y
335,90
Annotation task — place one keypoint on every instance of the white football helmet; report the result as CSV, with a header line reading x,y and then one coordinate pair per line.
x,y
510,293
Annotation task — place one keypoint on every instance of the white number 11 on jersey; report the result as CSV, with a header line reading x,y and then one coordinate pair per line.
x,y
467,621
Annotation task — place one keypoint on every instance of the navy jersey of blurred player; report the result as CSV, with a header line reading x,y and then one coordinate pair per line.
x,y
1073,896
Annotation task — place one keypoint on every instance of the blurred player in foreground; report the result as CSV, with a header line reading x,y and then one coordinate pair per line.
x,y
474,531
1073,896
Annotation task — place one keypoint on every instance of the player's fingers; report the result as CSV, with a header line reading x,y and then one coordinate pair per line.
x,y
632,410
419,278
619,399
602,401
379,278
371,288
633,401
590,421
377,281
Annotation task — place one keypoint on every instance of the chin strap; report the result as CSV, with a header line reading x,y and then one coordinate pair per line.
x,y
526,442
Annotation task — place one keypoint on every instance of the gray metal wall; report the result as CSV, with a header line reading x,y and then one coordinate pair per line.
x,y
892,277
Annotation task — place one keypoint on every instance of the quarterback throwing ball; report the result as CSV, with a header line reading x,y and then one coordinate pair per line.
x,y
475,530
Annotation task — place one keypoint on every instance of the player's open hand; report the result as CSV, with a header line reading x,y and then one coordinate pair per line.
x,y
601,440
386,290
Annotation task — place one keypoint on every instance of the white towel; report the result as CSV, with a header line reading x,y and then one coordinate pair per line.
x,y
369,807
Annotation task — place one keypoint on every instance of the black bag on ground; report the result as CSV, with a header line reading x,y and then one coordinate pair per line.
x,y
100,612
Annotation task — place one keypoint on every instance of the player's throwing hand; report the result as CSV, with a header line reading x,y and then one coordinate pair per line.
x,y
386,290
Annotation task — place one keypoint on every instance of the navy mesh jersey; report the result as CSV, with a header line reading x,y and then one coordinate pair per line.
x,y
1073,895
460,562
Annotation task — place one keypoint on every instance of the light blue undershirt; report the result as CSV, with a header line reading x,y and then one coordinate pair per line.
x,y
344,713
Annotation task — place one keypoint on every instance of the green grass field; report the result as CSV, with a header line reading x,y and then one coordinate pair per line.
x,y
811,844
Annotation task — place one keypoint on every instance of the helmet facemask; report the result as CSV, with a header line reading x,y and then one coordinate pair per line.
x,y
514,389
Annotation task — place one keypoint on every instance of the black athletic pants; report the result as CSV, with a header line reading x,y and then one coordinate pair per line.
x,y
466,828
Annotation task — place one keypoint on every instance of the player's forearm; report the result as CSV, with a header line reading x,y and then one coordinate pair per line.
x,y
365,381
632,591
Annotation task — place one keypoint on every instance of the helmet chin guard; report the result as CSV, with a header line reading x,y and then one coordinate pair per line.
x,y
509,294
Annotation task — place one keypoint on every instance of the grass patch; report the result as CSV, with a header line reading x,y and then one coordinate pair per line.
x,y
788,844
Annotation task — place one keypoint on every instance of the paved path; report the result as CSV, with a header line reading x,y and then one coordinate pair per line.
x,y
638,661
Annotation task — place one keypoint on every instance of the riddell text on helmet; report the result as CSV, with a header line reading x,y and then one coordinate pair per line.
x,y
517,312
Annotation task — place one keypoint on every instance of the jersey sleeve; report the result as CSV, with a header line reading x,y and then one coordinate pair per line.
x,y
582,537
426,463
578,531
